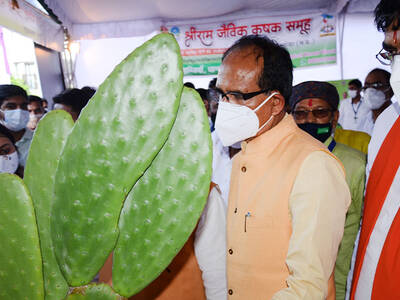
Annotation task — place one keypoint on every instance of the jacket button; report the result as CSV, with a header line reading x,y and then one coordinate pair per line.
x,y
230,251
244,169
230,292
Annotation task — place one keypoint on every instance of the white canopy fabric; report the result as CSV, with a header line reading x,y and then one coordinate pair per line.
x,y
97,19
32,23
94,19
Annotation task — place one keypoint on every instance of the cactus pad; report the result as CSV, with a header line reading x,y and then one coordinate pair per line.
x,y
40,171
165,204
94,292
21,274
114,140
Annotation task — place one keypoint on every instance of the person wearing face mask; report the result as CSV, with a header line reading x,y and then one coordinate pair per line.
x,y
377,91
376,261
314,106
15,116
281,217
36,111
354,114
8,152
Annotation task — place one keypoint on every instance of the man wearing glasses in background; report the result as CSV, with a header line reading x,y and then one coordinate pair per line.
x,y
288,197
377,92
377,264
314,105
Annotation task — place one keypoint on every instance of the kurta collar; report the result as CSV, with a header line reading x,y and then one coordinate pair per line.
x,y
267,141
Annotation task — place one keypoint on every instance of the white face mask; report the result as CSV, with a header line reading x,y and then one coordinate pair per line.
x,y
235,123
395,77
374,98
352,94
9,163
15,119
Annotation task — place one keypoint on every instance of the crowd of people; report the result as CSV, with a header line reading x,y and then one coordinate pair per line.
x,y
308,185
19,116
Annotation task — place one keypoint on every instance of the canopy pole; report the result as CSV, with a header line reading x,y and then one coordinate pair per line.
x,y
342,21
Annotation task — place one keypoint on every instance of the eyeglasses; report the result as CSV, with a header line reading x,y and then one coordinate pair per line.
x,y
237,96
375,85
386,57
317,113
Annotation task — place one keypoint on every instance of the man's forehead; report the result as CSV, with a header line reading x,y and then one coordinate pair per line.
x,y
240,68
375,77
312,102
16,99
34,104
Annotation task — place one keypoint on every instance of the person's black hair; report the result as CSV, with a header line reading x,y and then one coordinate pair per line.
x,y
277,73
4,131
357,83
11,90
75,98
203,93
88,91
189,84
387,12
32,98
385,74
212,83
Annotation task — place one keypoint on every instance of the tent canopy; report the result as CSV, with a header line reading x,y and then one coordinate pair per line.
x,y
93,19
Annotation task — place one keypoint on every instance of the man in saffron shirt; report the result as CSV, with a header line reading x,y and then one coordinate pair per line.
x,y
288,196
377,266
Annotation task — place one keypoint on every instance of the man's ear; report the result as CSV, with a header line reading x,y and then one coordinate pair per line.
x,y
278,104
335,119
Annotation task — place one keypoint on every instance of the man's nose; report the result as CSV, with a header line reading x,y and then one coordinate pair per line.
x,y
224,99
310,117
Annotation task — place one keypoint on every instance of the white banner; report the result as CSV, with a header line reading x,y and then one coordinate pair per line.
x,y
310,39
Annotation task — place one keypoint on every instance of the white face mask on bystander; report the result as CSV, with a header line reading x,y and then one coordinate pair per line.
x,y
15,119
235,123
374,98
352,93
9,163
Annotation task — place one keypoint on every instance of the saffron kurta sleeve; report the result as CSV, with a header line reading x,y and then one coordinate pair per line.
x,y
318,204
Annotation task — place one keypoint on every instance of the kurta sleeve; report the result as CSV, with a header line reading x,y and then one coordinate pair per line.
x,y
352,224
210,246
318,204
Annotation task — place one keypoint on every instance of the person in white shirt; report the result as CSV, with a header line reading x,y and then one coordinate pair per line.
x,y
376,270
353,111
377,91
222,165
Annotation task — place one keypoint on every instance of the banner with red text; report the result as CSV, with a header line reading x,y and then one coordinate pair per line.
x,y
310,39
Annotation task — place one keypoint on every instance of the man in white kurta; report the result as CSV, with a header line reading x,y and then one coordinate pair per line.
x,y
377,266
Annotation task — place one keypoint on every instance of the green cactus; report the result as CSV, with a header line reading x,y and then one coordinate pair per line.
x,y
94,292
20,260
163,207
85,198
44,155
115,139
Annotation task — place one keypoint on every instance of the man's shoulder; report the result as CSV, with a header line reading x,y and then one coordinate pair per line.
x,y
26,138
354,161
386,118
344,102
342,150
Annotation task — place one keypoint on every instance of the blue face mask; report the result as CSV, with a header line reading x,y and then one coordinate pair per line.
x,y
319,131
15,119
